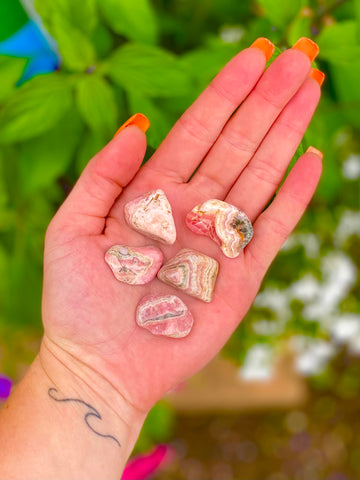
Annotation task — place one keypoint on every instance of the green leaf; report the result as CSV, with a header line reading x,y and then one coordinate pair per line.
x,y
205,63
96,102
299,27
10,72
70,22
160,120
357,16
345,79
34,108
44,159
82,15
280,13
76,50
7,216
90,145
103,41
150,71
339,43
135,20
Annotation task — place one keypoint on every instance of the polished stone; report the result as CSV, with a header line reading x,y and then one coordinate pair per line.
x,y
134,265
151,215
228,226
192,272
164,315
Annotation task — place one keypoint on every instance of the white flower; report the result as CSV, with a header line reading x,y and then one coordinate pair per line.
x,y
313,356
306,289
349,224
340,275
258,363
274,299
351,167
345,327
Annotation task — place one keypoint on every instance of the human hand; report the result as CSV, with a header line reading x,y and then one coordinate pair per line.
x,y
89,317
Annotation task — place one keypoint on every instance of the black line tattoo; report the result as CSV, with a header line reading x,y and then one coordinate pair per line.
x,y
92,413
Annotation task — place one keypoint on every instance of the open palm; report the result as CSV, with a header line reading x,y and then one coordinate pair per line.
x,y
239,157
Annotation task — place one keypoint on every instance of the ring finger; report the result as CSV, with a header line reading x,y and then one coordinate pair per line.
x,y
245,131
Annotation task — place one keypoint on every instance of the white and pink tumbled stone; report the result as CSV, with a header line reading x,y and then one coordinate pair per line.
x,y
228,226
151,215
164,315
134,265
192,272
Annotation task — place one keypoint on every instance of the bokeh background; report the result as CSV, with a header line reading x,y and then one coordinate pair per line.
x,y
282,401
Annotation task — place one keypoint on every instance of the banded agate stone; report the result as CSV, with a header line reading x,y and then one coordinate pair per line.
x,y
192,272
134,265
151,215
228,226
164,315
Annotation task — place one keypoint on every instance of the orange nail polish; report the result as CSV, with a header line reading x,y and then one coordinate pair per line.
x,y
265,46
317,75
307,46
139,120
314,151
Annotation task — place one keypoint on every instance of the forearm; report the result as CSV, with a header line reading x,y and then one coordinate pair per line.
x,y
58,425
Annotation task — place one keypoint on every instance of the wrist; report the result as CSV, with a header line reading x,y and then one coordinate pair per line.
x,y
76,387
64,425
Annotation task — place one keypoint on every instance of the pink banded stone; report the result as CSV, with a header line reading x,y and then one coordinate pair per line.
x,y
191,271
228,226
164,315
134,265
151,215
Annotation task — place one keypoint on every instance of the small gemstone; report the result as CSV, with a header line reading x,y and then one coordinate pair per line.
x,y
193,272
228,226
134,265
164,315
151,215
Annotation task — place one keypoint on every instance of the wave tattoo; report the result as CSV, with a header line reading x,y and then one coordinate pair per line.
x,y
92,413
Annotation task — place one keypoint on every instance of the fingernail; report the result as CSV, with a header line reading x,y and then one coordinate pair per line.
x,y
315,151
307,46
265,46
139,120
317,75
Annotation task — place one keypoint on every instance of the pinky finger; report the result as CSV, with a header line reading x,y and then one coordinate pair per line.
x,y
275,224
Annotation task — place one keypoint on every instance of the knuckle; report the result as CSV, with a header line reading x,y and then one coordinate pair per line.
x,y
222,93
278,228
239,142
265,171
194,127
291,129
268,97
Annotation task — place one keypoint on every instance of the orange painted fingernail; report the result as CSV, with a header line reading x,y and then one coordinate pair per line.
x,y
307,46
139,120
315,151
265,46
317,75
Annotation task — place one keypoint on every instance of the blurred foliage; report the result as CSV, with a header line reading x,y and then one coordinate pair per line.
x,y
119,57
316,440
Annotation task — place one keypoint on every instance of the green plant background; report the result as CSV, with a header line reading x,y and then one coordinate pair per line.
x,y
120,57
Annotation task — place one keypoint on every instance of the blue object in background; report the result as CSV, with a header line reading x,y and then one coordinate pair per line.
x,y
30,42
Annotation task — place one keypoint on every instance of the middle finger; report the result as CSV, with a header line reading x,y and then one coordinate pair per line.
x,y
246,129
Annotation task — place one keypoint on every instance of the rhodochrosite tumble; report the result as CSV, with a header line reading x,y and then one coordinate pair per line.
x,y
193,272
228,226
164,315
151,215
134,265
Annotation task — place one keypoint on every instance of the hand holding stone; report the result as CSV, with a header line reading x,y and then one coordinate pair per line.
x,y
238,137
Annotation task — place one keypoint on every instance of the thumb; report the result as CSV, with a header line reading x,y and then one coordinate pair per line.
x,y
102,181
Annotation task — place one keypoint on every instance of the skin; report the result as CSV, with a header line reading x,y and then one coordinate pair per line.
x,y
89,317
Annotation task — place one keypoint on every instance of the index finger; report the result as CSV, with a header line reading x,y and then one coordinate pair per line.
x,y
197,129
